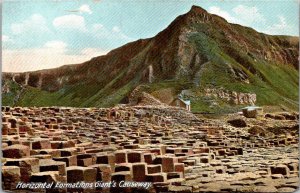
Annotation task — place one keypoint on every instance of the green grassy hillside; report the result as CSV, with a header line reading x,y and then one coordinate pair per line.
x,y
195,52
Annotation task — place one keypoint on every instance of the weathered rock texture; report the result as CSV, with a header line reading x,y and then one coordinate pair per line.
x,y
169,147
236,98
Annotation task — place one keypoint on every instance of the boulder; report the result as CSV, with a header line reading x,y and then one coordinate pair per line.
x,y
280,169
78,173
10,177
50,165
16,151
27,166
238,122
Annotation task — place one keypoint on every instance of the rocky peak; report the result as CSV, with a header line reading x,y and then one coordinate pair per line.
x,y
195,15
197,10
198,15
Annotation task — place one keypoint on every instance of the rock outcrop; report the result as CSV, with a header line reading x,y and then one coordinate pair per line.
x,y
232,96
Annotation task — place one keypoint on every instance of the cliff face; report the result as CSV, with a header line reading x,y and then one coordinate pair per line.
x,y
196,51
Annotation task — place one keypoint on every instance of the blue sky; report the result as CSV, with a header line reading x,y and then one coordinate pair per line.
x,y
50,33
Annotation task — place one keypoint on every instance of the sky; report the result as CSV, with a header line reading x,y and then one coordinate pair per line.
x,y
42,34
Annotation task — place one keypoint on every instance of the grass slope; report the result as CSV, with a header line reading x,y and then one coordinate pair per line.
x,y
274,84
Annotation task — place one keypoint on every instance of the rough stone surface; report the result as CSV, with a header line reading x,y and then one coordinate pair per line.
x,y
167,146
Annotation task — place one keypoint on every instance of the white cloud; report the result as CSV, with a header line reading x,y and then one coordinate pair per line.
x,y
55,45
116,29
218,11
69,22
45,58
279,28
240,14
35,23
101,32
252,17
6,39
85,9
248,15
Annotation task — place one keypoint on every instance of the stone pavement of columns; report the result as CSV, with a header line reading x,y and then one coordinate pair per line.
x,y
167,146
